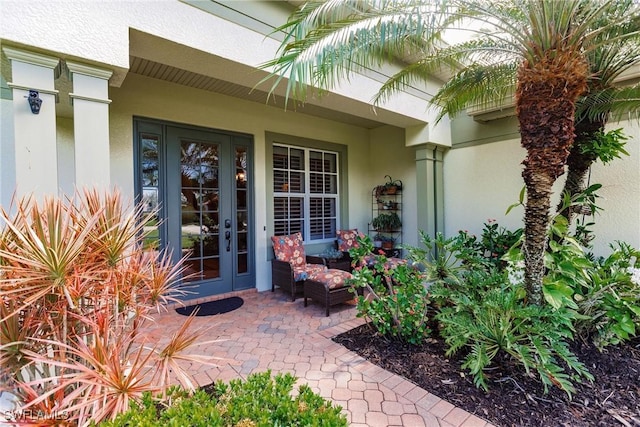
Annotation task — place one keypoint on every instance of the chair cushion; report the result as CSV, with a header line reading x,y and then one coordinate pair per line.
x,y
303,272
290,249
347,239
332,278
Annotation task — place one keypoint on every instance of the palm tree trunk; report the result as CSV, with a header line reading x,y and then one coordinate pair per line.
x,y
545,106
578,164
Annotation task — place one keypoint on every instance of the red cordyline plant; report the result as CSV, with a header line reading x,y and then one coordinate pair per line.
x,y
76,289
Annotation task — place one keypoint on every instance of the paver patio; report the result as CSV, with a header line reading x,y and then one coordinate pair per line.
x,y
271,332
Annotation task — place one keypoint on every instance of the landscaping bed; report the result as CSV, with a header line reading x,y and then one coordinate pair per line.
x,y
515,399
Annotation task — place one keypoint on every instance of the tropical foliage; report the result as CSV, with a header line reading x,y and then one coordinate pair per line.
x,y
478,306
541,51
76,291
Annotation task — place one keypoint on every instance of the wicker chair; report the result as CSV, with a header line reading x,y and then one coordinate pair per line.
x,y
291,267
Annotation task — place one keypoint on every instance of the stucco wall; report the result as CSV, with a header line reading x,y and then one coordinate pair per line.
x,y
390,156
7,153
99,32
145,97
482,181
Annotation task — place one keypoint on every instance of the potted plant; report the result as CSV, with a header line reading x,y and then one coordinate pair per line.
x,y
386,222
387,242
392,186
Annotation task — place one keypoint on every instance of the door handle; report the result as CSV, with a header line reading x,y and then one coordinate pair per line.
x,y
227,235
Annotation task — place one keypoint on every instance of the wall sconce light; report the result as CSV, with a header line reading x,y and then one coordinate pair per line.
x,y
34,101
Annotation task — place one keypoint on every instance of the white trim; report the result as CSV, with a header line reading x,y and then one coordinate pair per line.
x,y
89,98
31,58
88,70
28,88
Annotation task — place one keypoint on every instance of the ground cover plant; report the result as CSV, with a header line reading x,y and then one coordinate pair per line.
x,y
76,290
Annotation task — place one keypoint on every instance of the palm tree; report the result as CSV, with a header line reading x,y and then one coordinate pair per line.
x,y
603,99
545,42
613,53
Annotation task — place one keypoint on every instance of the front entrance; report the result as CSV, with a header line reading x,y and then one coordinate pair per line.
x,y
200,179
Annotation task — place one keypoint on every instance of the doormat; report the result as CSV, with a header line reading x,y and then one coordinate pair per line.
x,y
212,307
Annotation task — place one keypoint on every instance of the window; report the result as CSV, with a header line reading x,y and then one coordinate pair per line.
x,y
305,192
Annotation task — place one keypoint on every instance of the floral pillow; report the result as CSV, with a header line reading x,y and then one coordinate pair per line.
x,y
289,249
347,239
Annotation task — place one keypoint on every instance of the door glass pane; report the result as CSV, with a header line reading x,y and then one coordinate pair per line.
x,y
242,213
243,265
200,235
150,181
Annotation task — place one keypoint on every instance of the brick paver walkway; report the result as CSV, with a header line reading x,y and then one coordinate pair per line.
x,y
271,332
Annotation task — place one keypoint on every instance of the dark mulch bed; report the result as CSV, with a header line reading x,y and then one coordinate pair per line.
x,y
514,399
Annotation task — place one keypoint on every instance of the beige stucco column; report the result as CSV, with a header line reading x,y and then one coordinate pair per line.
x,y
91,125
36,165
430,188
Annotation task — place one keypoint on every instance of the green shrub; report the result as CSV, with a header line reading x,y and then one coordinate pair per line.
x,y
396,301
260,401
611,301
498,323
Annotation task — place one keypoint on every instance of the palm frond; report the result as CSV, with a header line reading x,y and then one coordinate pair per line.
x,y
617,102
324,43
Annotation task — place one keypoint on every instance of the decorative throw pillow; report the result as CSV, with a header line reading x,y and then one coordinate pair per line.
x,y
289,248
347,239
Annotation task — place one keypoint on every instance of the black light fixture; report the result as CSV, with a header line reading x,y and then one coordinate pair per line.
x,y
34,101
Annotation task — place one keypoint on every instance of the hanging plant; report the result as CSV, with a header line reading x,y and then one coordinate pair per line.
x,y
392,186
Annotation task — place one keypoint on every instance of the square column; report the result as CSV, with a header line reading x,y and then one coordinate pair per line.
x,y
91,125
36,156
430,186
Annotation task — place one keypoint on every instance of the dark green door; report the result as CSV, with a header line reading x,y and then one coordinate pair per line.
x,y
206,199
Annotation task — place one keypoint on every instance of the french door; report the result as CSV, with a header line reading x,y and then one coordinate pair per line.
x,y
201,181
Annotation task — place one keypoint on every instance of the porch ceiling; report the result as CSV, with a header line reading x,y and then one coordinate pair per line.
x,y
156,70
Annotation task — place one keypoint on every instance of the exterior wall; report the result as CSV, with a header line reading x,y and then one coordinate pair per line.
x,y
7,153
390,156
100,32
178,34
145,97
481,181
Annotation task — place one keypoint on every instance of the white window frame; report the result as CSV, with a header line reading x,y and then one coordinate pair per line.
x,y
307,195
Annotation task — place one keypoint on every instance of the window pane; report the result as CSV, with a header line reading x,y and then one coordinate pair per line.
x,y
296,184
242,221
297,226
280,181
329,228
296,159
280,157
280,208
209,177
315,207
296,208
330,184
315,161
280,228
329,207
330,163
315,183
316,229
